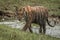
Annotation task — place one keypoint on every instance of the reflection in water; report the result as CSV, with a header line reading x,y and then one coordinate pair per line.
x,y
53,31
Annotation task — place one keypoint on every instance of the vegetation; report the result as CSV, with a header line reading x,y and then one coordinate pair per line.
x,y
8,33
52,5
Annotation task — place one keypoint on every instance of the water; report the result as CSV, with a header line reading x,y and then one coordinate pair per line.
x,y
52,31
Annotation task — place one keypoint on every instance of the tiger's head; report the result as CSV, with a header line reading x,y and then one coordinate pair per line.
x,y
20,13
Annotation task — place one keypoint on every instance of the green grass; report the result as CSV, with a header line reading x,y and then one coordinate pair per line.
x,y
50,4
8,33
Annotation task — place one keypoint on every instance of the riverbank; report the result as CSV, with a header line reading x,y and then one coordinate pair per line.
x,y
8,33
52,31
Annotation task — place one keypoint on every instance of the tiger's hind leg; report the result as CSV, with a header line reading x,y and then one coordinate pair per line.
x,y
44,29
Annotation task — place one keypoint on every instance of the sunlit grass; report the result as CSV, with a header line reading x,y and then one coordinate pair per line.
x,y
8,33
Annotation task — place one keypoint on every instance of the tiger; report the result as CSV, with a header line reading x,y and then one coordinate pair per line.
x,y
34,14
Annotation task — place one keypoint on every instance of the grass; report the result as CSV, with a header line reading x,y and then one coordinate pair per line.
x,y
8,33
50,4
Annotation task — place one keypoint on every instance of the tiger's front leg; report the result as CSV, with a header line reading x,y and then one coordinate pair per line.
x,y
28,24
30,29
25,27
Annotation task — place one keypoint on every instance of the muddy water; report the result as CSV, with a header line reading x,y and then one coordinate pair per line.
x,y
52,31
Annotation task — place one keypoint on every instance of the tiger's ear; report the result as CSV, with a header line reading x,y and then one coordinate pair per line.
x,y
20,9
23,9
